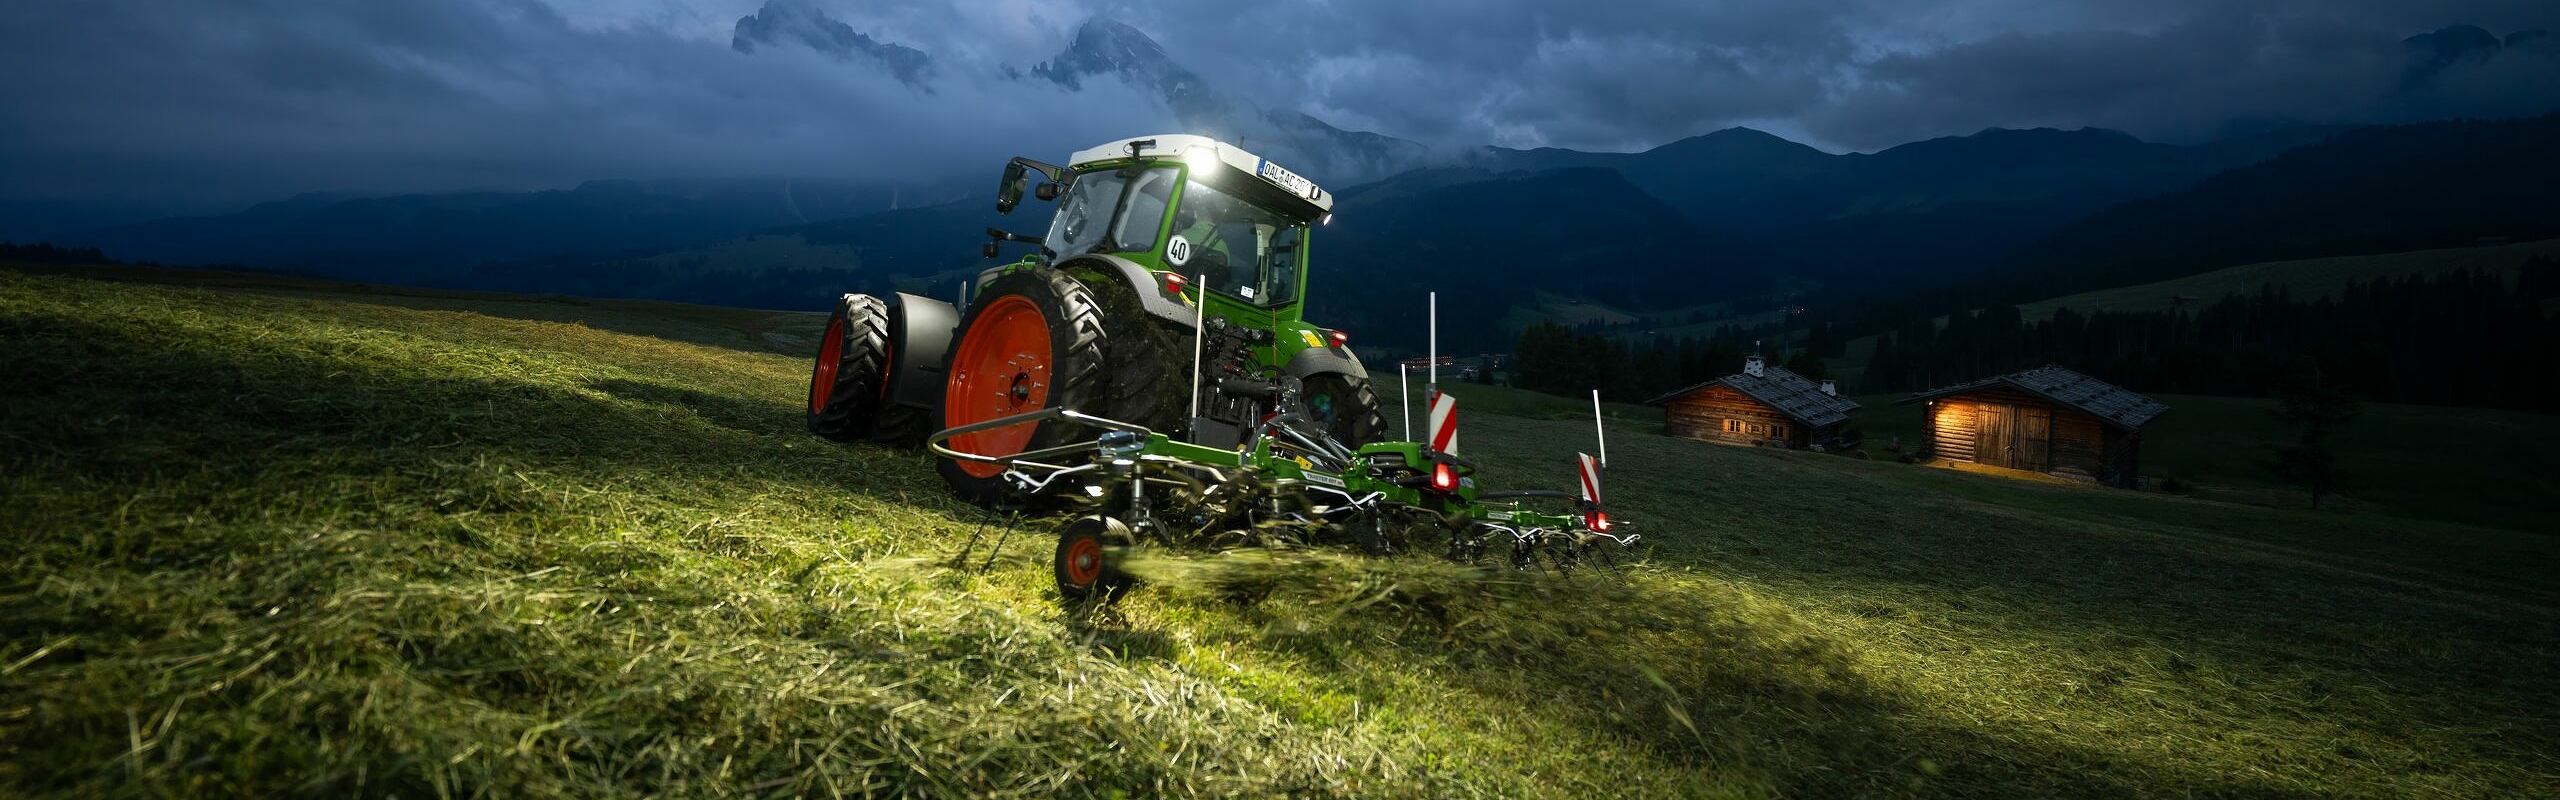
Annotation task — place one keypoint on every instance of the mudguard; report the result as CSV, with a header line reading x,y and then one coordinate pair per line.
x,y
920,334
1320,361
1141,282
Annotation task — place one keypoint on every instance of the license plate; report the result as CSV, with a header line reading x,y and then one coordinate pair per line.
x,y
1286,180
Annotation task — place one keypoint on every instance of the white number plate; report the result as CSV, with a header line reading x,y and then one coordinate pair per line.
x,y
1286,180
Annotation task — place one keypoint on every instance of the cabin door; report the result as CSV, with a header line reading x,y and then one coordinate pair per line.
x,y
1991,435
2013,437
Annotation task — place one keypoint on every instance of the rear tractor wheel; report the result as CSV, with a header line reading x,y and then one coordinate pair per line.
x,y
850,382
1033,340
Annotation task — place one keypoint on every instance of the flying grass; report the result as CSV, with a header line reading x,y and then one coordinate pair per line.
x,y
279,542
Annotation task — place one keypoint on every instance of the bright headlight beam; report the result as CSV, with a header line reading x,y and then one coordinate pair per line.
x,y
1201,158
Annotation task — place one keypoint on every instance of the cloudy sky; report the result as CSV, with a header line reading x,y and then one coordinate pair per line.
x,y
235,101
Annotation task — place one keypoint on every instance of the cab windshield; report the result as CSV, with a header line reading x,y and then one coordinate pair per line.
x,y
1235,247
1112,212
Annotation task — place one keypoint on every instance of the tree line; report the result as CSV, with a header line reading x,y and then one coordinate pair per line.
x,y
1560,360
2463,337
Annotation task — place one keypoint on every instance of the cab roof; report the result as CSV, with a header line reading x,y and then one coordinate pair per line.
x,y
1246,165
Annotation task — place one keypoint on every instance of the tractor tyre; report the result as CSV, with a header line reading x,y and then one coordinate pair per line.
x,y
1149,361
902,427
850,382
1088,560
1033,340
1346,408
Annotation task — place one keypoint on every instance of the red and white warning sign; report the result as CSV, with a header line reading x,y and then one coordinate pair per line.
x,y
1590,479
1444,423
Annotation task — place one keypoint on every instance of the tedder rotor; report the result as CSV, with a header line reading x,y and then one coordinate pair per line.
x,y
1148,364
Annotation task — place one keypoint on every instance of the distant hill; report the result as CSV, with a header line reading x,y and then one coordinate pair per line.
x,y
1910,213
2369,190
2304,279
412,237
1491,244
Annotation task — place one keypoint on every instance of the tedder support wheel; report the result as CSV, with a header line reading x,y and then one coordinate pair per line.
x,y
1032,340
851,380
1346,408
1088,562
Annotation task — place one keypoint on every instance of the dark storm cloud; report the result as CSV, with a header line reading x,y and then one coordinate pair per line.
x,y
2214,74
248,99
238,100
1861,74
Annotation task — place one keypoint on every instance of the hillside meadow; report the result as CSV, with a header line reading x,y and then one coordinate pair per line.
x,y
273,538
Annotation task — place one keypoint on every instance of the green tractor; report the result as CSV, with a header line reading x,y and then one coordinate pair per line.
x,y
1149,364
1168,292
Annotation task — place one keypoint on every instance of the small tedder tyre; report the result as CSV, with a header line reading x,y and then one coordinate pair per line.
x,y
1346,408
1088,561
1033,340
851,378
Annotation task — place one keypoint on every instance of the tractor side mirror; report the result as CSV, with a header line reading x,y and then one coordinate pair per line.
x,y
1009,193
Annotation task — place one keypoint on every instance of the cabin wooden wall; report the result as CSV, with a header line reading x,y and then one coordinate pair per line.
x,y
1702,414
2123,465
2009,428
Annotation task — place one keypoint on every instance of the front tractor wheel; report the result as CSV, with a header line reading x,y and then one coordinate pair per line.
x,y
1088,561
851,378
1033,340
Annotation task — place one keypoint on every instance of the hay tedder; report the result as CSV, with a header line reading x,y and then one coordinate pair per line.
x,y
1147,367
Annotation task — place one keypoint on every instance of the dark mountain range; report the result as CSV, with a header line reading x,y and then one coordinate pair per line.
x,y
1488,243
414,236
2368,190
1910,212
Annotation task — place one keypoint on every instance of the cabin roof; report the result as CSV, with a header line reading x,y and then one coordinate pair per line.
x,y
2110,403
1801,400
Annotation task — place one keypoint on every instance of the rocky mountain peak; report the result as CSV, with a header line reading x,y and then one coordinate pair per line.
x,y
789,22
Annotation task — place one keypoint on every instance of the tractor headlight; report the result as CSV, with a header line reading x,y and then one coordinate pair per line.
x,y
1201,159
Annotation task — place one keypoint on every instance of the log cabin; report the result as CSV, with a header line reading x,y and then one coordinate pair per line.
x,y
2048,419
1762,405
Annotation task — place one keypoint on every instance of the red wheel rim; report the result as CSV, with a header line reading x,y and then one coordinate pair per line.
x,y
1084,561
1000,369
829,353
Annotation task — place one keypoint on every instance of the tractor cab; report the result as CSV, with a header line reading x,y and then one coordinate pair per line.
x,y
1207,213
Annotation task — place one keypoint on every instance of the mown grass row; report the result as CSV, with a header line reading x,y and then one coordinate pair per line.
x,y
266,542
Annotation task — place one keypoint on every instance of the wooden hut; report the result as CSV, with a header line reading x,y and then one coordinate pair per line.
x,y
1761,405
2048,419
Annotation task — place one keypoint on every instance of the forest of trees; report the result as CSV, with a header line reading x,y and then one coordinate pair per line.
x,y
48,253
2458,338
1553,358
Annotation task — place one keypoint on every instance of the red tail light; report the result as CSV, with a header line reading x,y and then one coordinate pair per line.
x,y
1341,338
1600,521
1443,478
1174,282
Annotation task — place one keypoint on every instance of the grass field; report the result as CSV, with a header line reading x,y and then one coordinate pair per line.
x,y
268,541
